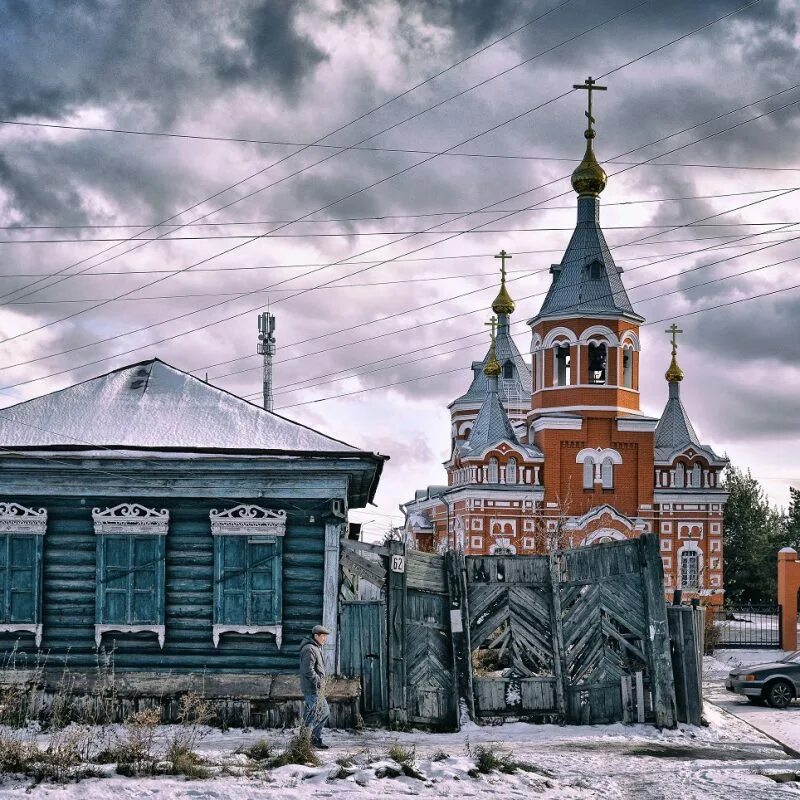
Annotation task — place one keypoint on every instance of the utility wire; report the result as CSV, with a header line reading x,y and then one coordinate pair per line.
x,y
460,369
302,149
616,69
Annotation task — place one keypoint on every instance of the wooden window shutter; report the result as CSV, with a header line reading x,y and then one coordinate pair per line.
x,y
21,596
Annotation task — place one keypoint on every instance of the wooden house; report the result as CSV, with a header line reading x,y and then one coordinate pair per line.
x,y
159,535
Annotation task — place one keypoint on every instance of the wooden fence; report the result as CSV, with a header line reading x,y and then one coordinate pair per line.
x,y
580,636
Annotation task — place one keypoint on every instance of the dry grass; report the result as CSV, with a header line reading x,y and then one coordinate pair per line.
x,y
299,750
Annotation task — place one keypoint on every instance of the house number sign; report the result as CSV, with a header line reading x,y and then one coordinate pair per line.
x,y
398,564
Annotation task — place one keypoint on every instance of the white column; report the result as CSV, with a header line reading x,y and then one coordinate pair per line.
x,y
536,475
333,533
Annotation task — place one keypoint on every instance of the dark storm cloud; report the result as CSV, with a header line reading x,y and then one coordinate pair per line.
x,y
161,56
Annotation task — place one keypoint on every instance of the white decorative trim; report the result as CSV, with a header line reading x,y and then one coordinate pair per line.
x,y
601,334
24,627
618,409
631,337
693,494
15,518
636,425
575,523
616,387
131,518
330,596
598,455
247,520
557,423
159,630
604,533
277,630
558,333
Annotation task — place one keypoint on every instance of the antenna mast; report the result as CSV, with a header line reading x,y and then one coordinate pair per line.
x,y
266,348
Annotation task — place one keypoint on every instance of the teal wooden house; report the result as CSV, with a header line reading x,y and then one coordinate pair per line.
x,y
174,534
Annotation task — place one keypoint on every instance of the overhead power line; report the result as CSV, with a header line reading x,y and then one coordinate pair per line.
x,y
616,69
460,369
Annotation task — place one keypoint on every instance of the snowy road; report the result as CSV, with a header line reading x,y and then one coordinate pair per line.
x,y
727,760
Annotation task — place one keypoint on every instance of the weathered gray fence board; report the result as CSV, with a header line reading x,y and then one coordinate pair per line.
x,y
362,651
686,628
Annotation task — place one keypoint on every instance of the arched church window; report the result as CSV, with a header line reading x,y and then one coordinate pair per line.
x,y
697,477
607,473
690,569
563,365
511,470
508,370
597,363
588,473
680,476
627,367
494,470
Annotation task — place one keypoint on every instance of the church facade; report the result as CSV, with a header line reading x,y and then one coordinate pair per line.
x,y
557,452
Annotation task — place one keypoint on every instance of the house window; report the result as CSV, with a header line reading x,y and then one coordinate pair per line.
x,y
680,476
697,477
563,368
21,534
511,470
690,569
627,367
248,556
131,549
595,270
508,371
494,470
597,363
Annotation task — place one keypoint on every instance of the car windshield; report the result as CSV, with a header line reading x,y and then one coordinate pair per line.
x,y
794,657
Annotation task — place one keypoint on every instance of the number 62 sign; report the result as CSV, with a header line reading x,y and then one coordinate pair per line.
x,y
398,563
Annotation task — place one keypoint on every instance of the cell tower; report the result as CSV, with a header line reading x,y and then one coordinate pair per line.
x,y
266,348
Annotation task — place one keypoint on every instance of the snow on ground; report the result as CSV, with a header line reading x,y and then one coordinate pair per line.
x,y
725,761
780,724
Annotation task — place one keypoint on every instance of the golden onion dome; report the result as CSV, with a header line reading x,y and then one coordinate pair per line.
x,y
674,373
492,368
503,304
589,177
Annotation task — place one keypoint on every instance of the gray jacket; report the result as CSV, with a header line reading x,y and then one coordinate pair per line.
x,y
312,667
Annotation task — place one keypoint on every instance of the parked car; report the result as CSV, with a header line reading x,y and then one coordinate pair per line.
x,y
776,683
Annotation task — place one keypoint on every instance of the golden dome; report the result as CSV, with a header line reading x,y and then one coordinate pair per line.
x,y
503,304
492,368
674,373
589,177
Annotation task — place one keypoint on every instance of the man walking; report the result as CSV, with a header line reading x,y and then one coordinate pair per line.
x,y
312,684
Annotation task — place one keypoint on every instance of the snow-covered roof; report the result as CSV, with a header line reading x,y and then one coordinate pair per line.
x,y
152,405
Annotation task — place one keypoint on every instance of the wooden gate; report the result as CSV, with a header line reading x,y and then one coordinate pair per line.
x,y
558,636
362,651
428,656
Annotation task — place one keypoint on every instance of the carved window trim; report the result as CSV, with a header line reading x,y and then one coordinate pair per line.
x,y
252,521
133,519
247,520
19,520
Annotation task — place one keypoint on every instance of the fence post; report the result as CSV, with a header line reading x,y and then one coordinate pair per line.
x,y
662,684
396,633
459,632
788,587
557,622
686,628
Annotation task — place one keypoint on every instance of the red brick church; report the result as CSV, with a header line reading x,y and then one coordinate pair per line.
x,y
557,452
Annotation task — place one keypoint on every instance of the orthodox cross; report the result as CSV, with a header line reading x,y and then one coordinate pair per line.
x,y
590,85
503,256
492,322
674,330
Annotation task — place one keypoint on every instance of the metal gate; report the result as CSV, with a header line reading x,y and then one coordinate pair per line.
x,y
747,626
362,651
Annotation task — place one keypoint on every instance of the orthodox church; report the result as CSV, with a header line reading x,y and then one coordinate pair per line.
x,y
558,453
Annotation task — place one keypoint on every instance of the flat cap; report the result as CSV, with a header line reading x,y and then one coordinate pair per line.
x,y
320,629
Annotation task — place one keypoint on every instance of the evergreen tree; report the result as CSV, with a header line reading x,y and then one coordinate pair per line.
x,y
754,531
793,519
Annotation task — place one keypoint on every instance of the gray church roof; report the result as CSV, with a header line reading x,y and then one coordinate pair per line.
x,y
513,390
493,426
577,288
674,431
154,406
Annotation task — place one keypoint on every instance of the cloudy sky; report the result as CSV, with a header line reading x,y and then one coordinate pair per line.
x,y
368,222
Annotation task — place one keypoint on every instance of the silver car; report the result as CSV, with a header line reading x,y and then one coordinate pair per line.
x,y
776,683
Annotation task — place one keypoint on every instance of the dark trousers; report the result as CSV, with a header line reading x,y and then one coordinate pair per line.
x,y
316,714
